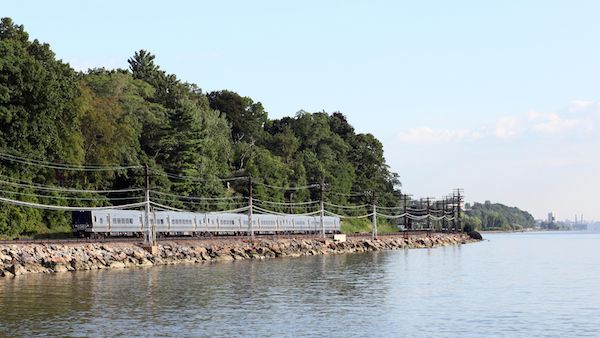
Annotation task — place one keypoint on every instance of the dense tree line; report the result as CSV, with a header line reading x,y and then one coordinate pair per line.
x,y
144,115
496,216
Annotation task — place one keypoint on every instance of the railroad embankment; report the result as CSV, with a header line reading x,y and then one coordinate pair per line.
x,y
20,259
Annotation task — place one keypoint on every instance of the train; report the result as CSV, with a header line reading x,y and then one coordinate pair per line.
x,y
121,223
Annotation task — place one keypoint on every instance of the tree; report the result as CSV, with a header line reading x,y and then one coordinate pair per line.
x,y
189,140
39,116
142,66
196,145
247,118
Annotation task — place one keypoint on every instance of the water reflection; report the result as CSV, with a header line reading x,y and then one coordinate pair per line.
x,y
513,285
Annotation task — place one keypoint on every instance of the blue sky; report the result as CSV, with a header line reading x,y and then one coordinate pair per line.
x,y
500,98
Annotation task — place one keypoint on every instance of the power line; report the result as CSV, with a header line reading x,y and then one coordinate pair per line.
x,y
196,179
73,198
52,188
54,165
67,208
346,206
286,203
201,202
341,216
389,208
285,214
197,198
165,207
306,187
352,194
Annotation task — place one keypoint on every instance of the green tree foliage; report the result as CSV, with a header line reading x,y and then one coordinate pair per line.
x,y
247,118
190,140
39,116
497,216
196,145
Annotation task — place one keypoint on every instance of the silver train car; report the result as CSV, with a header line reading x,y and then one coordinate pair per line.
x,y
115,223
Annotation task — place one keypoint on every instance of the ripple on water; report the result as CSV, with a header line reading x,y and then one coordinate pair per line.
x,y
516,285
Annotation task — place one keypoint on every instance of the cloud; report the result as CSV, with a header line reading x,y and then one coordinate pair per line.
x,y
583,105
553,123
581,116
507,127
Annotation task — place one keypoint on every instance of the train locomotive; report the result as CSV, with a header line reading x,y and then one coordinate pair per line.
x,y
121,223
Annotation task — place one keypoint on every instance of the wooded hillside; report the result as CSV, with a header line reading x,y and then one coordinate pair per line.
x,y
94,130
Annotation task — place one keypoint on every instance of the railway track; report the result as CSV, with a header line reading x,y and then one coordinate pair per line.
x,y
413,233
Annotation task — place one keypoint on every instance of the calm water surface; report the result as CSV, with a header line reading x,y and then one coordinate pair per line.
x,y
512,285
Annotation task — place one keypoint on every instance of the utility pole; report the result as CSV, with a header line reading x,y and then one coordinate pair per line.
x,y
458,208
250,225
428,215
322,186
444,214
405,212
454,212
148,238
374,225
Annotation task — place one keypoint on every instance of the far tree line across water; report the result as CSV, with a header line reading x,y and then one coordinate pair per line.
x,y
496,216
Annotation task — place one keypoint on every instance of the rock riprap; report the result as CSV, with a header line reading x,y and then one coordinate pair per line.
x,y
19,259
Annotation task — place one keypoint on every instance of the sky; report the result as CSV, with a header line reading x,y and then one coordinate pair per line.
x,y
500,98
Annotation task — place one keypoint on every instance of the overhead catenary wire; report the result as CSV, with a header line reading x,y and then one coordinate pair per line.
x,y
347,206
73,198
166,207
61,166
61,189
197,203
415,217
68,208
230,211
306,187
413,212
389,208
197,198
391,216
342,216
196,179
351,194
284,214
286,203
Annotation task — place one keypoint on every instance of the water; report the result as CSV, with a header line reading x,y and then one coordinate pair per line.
x,y
513,285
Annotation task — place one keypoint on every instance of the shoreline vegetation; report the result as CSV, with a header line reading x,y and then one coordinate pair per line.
x,y
22,259
89,135
496,217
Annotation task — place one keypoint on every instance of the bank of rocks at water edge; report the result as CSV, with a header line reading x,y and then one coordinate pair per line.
x,y
19,259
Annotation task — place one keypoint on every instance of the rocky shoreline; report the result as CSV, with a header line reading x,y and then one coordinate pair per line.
x,y
20,259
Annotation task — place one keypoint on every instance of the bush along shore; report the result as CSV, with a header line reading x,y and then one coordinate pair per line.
x,y
20,259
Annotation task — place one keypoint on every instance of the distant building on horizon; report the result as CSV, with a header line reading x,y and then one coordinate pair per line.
x,y
594,227
551,218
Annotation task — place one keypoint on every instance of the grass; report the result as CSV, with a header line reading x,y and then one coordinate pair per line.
x,y
350,226
44,233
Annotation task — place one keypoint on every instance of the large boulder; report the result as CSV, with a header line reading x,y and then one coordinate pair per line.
x,y
475,235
